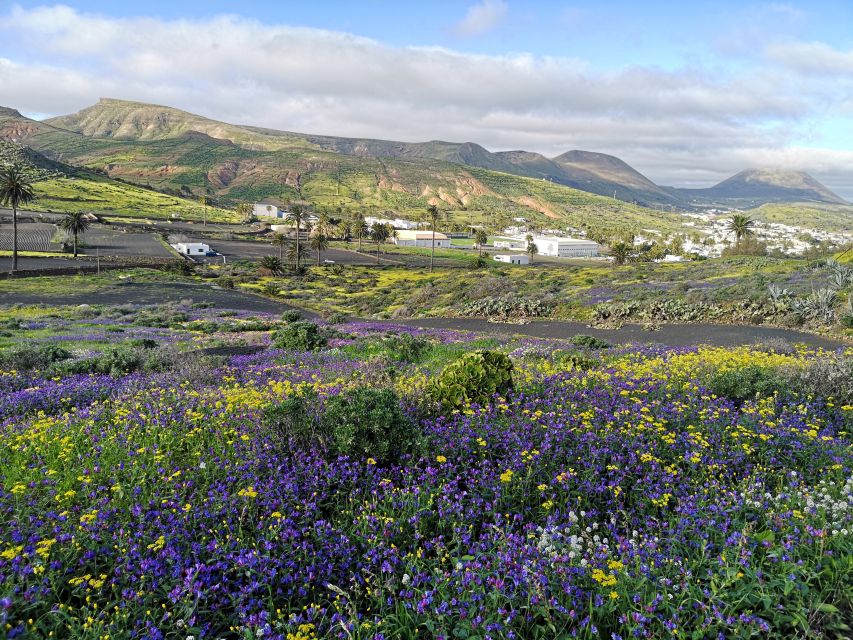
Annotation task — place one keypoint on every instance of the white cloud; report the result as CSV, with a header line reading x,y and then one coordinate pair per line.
x,y
674,125
812,58
482,17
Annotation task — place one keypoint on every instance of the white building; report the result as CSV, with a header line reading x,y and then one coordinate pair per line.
x,y
192,248
397,223
411,238
510,243
510,259
263,210
565,247
552,246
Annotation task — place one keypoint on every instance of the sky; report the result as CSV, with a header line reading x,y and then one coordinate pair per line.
x,y
688,95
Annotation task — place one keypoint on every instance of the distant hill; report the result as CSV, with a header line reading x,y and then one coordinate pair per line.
x,y
186,155
754,187
183,154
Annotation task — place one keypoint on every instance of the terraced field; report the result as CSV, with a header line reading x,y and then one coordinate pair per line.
x,y
31,237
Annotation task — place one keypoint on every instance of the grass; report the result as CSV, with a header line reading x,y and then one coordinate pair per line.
x,y
104,196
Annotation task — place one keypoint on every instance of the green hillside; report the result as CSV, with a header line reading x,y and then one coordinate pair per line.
x,y
62,188
172,156
827,217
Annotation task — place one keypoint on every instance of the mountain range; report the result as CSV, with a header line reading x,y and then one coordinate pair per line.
x,y
182,153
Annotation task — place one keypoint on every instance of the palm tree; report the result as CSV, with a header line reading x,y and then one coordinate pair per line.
x,y
531,248
75,223
280,240
244,210
432,212
379,233
294,255
741,225
359,227
15,190
319,242
480,239
271,264
296,216
620,251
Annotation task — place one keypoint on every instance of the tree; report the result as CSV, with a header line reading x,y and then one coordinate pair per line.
x,y
296,216
270,264
620,251
15,190
244,210
359,227
480,239
531,248
432,212
319,242
379,233
294,255
741,225
280,240
75,223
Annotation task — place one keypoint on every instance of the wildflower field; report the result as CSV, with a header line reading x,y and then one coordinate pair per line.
x,y
202,475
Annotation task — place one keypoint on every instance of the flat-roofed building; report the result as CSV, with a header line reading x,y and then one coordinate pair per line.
x,y
412,238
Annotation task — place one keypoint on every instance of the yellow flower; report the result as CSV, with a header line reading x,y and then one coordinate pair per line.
x,y
248,492
542,487
506,476
371,461
614,595
158,544
440,459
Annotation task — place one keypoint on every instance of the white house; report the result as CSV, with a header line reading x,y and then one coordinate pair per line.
x,y
411,238
192,248
510,259
263,210
510,243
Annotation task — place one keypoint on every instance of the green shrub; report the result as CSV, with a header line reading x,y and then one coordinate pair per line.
x,y
293,423
475,377
25,357
405,347
590,342
291,315
576,360
299,336
369,423
746,382
225,282
180,267
337,318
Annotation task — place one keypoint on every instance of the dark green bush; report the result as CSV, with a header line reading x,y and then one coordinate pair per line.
x,y
291,315
590,342
475,377
369,423
180,267
405,347
746,382
299,336
337,318
293,423
26,356
577,360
